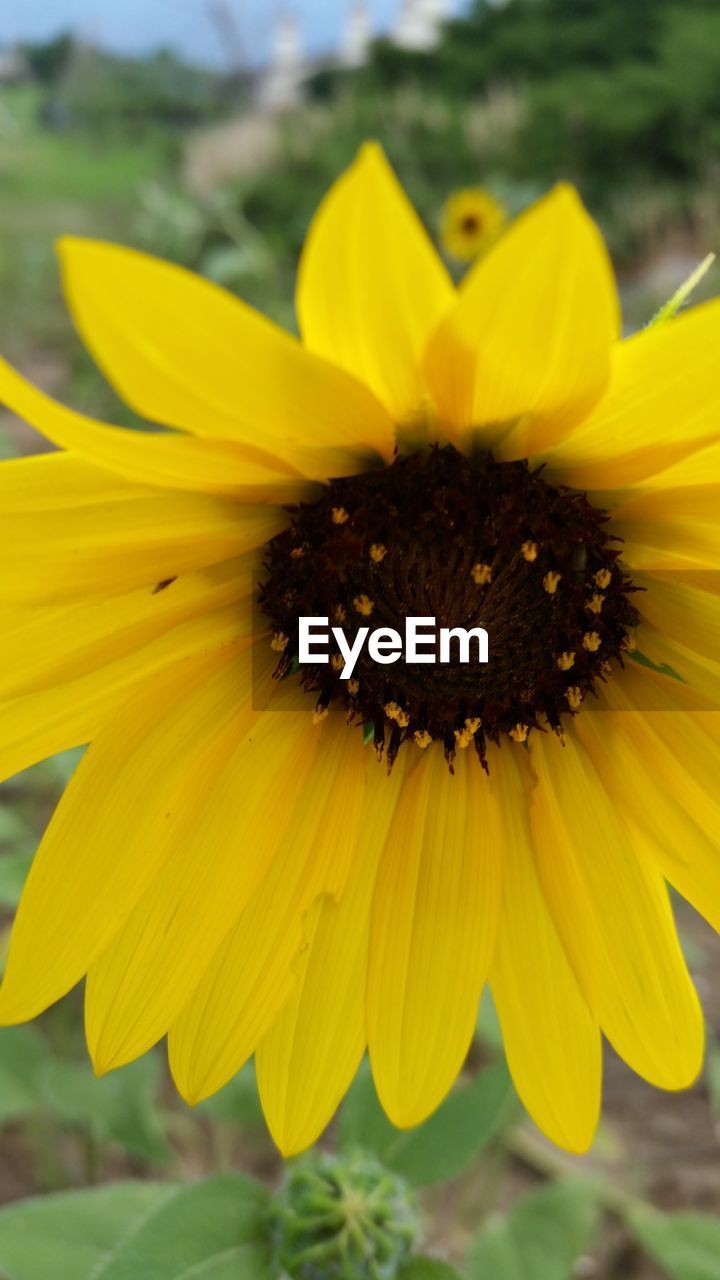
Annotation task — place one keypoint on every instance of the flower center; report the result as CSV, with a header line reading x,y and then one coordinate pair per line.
x,y
473,543
470,224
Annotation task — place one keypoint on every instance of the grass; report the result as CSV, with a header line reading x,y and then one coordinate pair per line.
x,y
54,183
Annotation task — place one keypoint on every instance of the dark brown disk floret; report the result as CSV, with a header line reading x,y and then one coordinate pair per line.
x,y
473,543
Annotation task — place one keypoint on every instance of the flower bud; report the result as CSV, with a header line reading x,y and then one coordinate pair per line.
x,y
343,1218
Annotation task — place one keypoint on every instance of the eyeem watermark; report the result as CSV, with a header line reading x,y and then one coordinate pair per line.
x,y
422,643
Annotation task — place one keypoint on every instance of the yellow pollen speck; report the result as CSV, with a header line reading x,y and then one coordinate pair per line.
x,y
337,662
353,687
519,733
550,582
364,605
596,603
377,552
339,515
605,670
566,660
464,736
422,738
297,553
629,644
395,712
574,696
279,642
591,641
481,574
319,714
602,578
529,551
340,614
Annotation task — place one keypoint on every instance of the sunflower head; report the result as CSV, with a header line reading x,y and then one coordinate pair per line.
x,y
246,881
343,1218
454,533
471,220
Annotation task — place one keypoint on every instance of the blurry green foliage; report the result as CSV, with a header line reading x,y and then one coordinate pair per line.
x,y
237,1103
120,1108
615,90
107,94
685,1245
446,1143
49,59
72,1234
140,1231
541,1238
428,1269
621,98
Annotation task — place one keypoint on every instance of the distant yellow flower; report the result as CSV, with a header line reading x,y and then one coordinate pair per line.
x,y
471,221
230,865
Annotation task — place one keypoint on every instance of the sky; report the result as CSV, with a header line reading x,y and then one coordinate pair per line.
x,y
134,26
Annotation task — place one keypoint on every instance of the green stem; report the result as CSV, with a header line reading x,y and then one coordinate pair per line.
x,y
542,1159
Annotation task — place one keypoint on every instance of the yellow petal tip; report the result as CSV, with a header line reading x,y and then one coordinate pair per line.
x,y
372,150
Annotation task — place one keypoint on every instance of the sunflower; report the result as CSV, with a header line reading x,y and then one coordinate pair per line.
x,y
472,219
230,865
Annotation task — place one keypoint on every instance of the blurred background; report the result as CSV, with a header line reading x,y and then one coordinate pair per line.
x,y
206,131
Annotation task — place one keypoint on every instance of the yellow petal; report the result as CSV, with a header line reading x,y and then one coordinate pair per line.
x,y
371,287
648,691
701,675
698,467
641,768
655,707
682,612
251,977
551,1040
682,522
37,725
308,1059
109,548
185,353
662,403
641,558
114,827
40,648
530,338
59,482
435,914
139,986
175,462
612,912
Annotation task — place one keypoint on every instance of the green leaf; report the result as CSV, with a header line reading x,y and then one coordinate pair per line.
x,y
204,1230
119,1107
541,1238
488,1024
73,1233
685,1246
446,1143
428,1269
681,295
712,1071
23,1054
13,828
662,668
210,1230
238,1102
